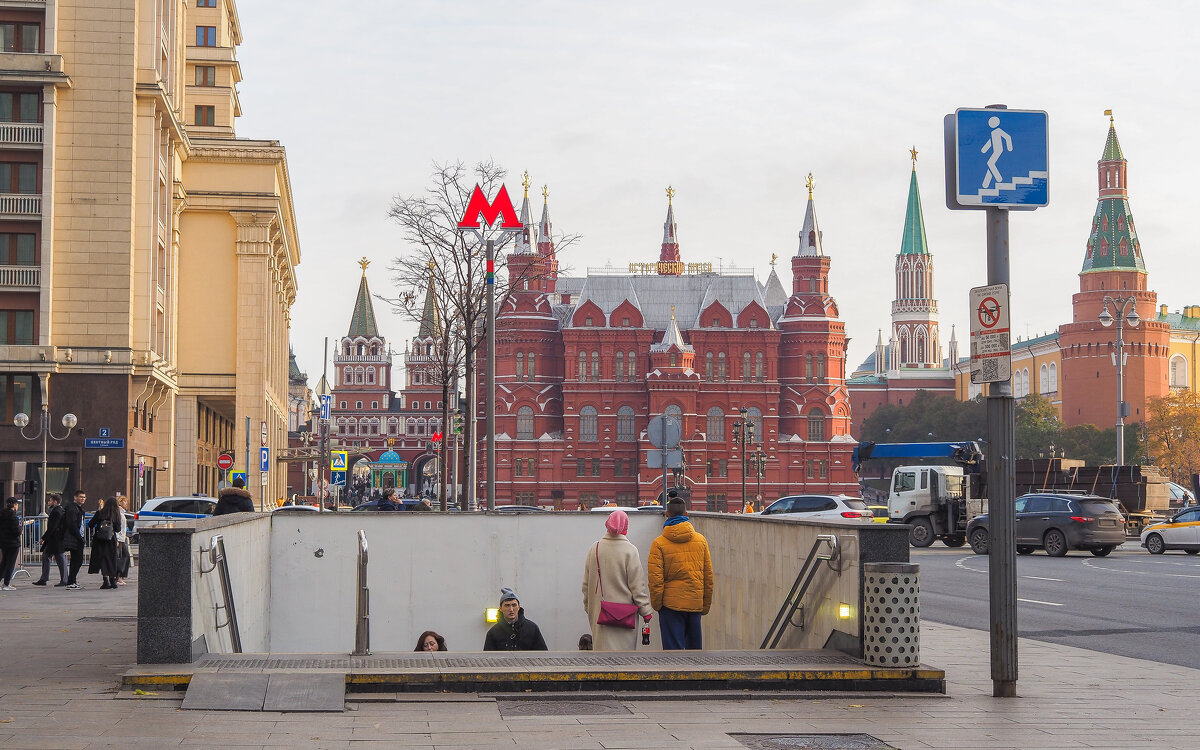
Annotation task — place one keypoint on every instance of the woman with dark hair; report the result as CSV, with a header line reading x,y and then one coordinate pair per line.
x,y
104,526
431,641
10,543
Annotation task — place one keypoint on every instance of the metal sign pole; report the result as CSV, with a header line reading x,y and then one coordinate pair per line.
x,y
491,375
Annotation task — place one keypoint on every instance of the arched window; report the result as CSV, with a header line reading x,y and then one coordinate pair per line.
x,y
721,367
582,366
674,412
808,367
358,374
820,367
746,372
816,426
348,375
525,423
708,366
393,426
370,376
919,347
411,427
620,365
759,371
625,424
1053,378
529,368
631,361
520,365
1044,379
755,415
587,424
716,425
1179,371
595,365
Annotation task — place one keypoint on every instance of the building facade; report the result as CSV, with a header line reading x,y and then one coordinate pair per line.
x,y
583,364
148,253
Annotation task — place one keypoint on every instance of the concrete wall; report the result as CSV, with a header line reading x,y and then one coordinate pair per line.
x,y
248,553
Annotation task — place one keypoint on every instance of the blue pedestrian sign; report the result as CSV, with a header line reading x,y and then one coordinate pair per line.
x,y
338,460
326,402
1000,159
264,459
236,475
337,478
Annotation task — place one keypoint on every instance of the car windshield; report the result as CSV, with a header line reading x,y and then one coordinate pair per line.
x,y
1097,507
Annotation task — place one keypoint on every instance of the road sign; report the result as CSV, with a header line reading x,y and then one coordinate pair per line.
x,y
991,352
262,475
326,403
664,432
674,457
264,459
997,158
337,478
263,433
337,460
236,475
225,461
141,466
104,432
104,442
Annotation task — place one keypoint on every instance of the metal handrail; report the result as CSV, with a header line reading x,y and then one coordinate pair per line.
x,y
216,554
800,587
362,614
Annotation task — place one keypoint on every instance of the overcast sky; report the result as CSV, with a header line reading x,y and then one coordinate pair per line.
x,y
732,104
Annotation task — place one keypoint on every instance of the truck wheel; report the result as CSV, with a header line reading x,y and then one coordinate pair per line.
x,y
979,541
921,533
1055,543
1102,551
954,541
1155,545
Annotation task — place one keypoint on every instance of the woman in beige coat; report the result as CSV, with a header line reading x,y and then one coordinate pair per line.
x,y
614,566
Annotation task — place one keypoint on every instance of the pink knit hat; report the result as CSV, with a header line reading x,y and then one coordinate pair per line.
x,y
618,522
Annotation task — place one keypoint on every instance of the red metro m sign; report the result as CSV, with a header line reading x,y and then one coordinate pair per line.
x,y
478,206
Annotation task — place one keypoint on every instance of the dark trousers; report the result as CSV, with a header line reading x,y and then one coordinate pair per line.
x,y
679,630
8,563
59,560
76,564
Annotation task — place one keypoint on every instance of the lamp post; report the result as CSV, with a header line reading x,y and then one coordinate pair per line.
x,y
743,433
1125,308
323,393
69,421
760,468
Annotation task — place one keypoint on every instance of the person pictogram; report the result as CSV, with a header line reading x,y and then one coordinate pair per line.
x,y
997,144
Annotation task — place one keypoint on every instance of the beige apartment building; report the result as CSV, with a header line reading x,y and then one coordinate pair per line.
x,y
147,254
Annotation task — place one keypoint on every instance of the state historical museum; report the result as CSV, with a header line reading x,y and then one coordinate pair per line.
x,y
583,364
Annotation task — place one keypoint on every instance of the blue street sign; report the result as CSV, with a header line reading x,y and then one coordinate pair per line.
x,y
103,432
1001,158
326,402
104,442
337,478
264,459
237,475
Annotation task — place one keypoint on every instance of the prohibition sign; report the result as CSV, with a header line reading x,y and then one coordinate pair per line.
x,y
989,312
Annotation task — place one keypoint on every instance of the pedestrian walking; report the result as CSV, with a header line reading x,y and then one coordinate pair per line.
x,y
10,543
104,542
52,542
614,587
124,555
234,499
73,536
681,580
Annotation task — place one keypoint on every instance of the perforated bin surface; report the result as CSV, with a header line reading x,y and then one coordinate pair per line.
x,y
891,615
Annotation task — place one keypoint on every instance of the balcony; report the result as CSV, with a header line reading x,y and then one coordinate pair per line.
x,y
20,133
20,205
33,68
20,277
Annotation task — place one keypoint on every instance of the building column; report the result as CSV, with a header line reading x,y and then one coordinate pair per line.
x,y
186,454
253,339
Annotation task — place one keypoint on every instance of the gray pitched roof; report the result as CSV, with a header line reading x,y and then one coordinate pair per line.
x,y
654,295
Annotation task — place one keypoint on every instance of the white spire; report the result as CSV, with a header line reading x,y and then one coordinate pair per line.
x,y
810,232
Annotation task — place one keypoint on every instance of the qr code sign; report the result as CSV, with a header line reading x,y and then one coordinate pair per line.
x,y
989,370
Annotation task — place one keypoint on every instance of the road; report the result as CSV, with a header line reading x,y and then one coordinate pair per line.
x,y
1130,603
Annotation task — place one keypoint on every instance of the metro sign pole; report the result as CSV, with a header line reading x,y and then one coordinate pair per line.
x,y
476,220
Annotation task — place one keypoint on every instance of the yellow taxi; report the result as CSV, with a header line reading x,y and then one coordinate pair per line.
x,y
1182,531
880,513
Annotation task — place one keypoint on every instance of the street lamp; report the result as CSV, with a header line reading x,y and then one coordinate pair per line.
x,y
22,420
1126,313
759,459
743,433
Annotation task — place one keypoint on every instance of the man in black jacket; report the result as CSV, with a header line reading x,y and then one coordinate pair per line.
x,y
513,632
52,542
73,536
234,499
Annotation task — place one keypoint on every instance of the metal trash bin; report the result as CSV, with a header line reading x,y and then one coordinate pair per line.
x,y
891,614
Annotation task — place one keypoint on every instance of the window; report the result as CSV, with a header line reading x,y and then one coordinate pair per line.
x,y
518,468
625,322
808,367
370,376
428,405
587,424
595,467
755,415
20,37
816,425
631,360
529,369
1044,379
520,365
579,467
206,3
18,249
525,423
206,114
343,406
708,366
716,425
595,365
16,396
905,482
16,327
582,370
18,177
625,431
206,36
587,321
820,367
721,366
530,467
746,373
206,75
20,107
619,467
620,368
758,366
358,404
1053,377
374,404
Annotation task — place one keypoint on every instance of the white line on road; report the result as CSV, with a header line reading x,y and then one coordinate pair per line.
x,y
1092,564
1035,601
1039,578
959,563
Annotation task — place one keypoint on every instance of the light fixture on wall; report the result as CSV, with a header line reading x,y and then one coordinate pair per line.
x,y
491,614
101,460
843,610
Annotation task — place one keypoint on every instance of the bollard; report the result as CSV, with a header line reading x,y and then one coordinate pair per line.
x,y
891,615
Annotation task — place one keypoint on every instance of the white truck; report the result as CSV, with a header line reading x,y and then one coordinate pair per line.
x,y
935,501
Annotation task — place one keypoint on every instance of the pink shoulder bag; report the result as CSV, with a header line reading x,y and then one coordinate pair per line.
x,y
614,614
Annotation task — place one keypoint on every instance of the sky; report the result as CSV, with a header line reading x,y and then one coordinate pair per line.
x,y
732,104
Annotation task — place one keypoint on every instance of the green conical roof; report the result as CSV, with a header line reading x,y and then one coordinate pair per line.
x,y
1112,147
362,323
914,242
1113,244
430,322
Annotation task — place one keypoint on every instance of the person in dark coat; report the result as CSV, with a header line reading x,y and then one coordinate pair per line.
x,y
73,536
513,632
10,543
52,542
234,499
104,525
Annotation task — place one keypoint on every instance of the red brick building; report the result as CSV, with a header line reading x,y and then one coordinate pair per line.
x,y
585,362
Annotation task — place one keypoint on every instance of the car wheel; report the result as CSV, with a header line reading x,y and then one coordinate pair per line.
x,y
1102,551
921,534
1055,543
1025,550
1155,544
979,541
955,541
1191,551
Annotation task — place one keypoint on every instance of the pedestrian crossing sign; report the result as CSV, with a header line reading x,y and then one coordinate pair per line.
x,y
337,461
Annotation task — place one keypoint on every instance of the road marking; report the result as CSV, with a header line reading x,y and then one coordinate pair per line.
x,y
959,563
1035,601
1092,564
1039,578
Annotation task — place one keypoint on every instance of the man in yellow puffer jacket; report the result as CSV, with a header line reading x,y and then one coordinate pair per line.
x,y
681,580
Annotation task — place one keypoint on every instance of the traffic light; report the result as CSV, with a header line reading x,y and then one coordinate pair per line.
x,y
458,421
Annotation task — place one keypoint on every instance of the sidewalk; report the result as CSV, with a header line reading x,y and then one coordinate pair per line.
x,y
62,654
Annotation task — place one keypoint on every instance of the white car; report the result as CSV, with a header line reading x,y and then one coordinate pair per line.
x,y
162,509
820,508
1181,532
285,509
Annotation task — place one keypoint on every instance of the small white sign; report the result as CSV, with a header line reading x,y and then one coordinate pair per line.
x,y
991,342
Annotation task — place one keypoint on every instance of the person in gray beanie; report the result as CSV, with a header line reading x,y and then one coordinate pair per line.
x,y
513,632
